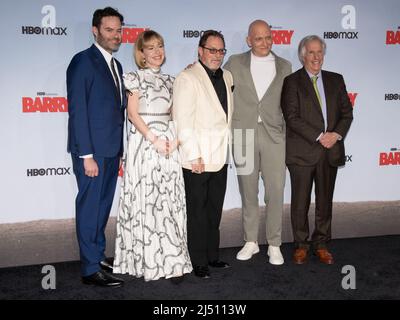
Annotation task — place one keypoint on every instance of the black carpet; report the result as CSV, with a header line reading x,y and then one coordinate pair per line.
x,y
376,261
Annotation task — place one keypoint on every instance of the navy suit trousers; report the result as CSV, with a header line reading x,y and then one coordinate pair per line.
x,y
93,204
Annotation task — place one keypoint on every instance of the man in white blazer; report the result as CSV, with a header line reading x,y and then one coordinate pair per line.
x,y
202,111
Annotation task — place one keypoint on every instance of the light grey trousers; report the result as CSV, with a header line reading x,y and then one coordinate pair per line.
x,y
269,162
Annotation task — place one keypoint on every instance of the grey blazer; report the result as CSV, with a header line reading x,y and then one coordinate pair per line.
x,y
247,106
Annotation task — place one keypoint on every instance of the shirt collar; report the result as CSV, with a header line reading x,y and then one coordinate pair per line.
x,y
269,57
319,75
215,74
104,52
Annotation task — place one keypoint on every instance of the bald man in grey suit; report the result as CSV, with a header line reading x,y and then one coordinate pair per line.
x,y
258,76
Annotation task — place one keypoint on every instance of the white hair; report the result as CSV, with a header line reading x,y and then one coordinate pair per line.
x,y
302,46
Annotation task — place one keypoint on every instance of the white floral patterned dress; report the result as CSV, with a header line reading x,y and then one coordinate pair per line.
x,y
151,223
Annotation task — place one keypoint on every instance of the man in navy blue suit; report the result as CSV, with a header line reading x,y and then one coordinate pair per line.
x,y
95,128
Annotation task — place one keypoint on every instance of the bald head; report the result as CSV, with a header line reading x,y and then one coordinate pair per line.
x,y
257,24
259,38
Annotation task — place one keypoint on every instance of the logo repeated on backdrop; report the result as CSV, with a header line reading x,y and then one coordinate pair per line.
x,y
48,26
393,36
193,33
392,96
281,36
352,97
130,33
348,23
349,158
40,172
44,102
390,158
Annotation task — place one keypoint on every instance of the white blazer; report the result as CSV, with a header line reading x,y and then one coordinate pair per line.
x,y
203,128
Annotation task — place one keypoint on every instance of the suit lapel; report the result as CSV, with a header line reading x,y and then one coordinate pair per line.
x,y
228,86
206,82
328,89
247,73
278,73
120,73
104,69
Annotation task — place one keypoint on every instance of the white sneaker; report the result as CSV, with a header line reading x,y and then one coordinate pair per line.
x,y
247,251
275,255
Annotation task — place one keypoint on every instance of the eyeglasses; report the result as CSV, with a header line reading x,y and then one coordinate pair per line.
x,y
214,51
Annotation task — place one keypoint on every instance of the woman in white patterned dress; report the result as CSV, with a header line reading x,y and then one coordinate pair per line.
x,y
151,224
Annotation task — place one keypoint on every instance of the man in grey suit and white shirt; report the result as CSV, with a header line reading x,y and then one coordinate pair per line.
x,y
258,76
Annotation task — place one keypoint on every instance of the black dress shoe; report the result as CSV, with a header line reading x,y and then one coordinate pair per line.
x,y
103,279
176,280
107,265
219,264
201,272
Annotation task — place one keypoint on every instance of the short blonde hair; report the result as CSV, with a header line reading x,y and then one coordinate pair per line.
x,y
141,40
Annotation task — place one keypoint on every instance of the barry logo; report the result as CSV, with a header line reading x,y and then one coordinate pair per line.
x,y
44,102
352,97
282,36
393,37
129,35
390,158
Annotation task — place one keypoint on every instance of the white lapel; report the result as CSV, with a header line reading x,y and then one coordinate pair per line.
x,y
206,82
228,86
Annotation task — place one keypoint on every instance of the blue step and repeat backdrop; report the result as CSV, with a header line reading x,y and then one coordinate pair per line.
x,y
40,38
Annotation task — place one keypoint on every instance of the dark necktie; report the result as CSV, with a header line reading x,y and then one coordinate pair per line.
x,y
116,79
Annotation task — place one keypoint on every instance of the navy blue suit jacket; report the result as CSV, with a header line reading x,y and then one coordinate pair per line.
x,y
96,115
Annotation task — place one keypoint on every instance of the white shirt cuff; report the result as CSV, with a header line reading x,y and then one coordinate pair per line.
x,y
86,156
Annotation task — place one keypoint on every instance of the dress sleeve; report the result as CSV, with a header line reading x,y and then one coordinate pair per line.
x,y
131,81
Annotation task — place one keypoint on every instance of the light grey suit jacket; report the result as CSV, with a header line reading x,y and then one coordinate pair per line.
x,y
247,105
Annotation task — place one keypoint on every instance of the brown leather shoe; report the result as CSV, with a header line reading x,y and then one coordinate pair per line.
x,y
300,256
324,256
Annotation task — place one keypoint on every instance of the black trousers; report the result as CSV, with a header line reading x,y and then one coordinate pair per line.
x,y
205,195
302,179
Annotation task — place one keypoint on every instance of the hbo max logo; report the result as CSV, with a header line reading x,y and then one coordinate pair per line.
x,y
193,33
